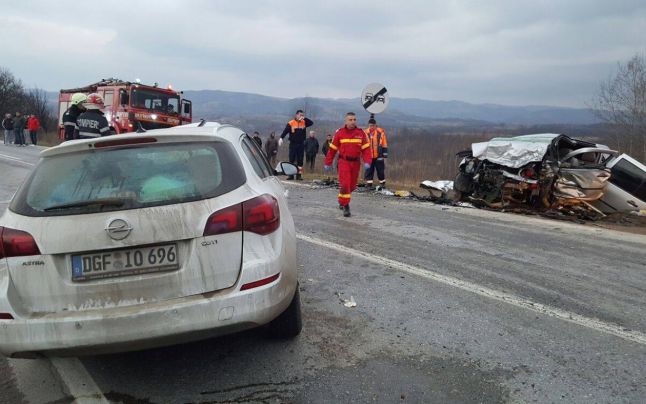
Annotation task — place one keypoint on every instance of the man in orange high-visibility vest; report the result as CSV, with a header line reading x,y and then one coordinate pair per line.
x,y
379,148
352,144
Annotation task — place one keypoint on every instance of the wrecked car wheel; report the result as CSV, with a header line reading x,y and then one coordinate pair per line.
x,y
463,183
289,323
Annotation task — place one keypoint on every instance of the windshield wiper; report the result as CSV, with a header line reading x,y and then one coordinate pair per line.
x,y
93,202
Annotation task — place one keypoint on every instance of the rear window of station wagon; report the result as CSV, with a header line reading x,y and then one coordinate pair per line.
x,y
128,178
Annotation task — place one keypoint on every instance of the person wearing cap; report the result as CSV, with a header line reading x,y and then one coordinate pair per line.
x,y
71,115
91,123
296,129
353,146
379,148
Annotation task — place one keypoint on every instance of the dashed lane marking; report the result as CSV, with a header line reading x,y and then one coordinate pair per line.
x,y
571,317
78,381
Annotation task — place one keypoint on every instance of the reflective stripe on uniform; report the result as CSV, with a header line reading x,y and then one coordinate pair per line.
x,y
345,196
104,129
351,141
68,123
332,146
365,146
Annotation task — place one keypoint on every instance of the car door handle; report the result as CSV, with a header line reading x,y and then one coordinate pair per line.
x,y
632,203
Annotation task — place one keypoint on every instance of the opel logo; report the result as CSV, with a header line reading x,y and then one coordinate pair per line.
x,y
118,229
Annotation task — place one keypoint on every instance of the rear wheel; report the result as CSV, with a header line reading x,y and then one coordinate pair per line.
x,y
289,323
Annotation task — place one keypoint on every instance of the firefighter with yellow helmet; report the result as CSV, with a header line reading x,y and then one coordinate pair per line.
x,y
71,115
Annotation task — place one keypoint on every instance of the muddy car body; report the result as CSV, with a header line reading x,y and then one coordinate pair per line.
x,y
540,171
141,240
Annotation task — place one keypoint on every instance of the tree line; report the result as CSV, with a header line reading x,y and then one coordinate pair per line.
x,y
14,97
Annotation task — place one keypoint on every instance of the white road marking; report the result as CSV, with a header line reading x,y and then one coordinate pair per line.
x,y
16,159
78,381
588,322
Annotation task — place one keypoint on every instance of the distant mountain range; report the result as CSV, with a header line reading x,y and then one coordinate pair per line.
x,y
243,107
213,104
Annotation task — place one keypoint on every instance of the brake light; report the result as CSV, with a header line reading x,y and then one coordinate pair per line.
x,y
261,215
17,243
223,221
124,142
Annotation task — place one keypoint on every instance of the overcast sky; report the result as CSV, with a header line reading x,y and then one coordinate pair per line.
x,y
507,52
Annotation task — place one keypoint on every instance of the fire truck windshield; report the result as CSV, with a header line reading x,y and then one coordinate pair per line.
x,y
155,101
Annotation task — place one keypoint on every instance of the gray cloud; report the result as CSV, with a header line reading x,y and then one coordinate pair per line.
x,y
508,52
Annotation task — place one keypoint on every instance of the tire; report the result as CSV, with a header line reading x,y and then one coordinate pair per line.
x,y
289,323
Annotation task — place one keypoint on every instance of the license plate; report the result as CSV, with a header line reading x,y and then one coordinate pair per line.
x,y
131,261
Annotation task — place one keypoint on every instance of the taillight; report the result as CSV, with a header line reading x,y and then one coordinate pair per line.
x,y
17,243
223,221
261,215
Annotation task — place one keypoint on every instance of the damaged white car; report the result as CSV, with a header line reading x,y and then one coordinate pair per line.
x,y
549,171
141,240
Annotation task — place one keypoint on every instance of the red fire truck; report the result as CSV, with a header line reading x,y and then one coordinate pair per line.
x,y
129,105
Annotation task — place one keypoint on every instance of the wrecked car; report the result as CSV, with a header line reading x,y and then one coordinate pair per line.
x,y
549,171
626,189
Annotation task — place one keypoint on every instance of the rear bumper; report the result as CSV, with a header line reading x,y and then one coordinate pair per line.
x,y
147,325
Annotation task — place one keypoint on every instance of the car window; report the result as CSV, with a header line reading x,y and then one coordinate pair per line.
x,y
256,157
630,178
131,177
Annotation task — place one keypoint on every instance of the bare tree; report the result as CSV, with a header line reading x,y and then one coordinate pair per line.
x,y
621,103
37,105
12,93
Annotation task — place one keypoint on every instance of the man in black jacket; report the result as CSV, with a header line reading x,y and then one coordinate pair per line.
x,y
19,124
311,149
7,125
257,139
296,129
71,115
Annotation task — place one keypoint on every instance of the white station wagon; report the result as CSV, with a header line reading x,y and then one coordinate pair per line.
x,y
134,241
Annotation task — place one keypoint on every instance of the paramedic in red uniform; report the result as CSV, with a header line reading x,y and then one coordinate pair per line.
x,y
352,144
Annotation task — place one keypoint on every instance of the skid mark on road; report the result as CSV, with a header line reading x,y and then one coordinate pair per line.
x,y
588,322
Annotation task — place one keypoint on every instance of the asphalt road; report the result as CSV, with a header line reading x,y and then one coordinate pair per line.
x,y
453,305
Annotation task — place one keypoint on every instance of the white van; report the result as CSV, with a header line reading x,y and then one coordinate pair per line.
x,y
626,189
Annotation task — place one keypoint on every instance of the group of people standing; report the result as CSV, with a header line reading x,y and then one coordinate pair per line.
x,y
14,129
352,144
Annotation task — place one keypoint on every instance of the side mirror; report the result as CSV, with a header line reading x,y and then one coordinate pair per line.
x,y
123,97
285,168
187,108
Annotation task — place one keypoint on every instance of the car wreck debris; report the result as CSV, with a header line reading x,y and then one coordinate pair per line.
x,y
542,171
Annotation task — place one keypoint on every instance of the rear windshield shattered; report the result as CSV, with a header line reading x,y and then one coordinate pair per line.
x,y
129,178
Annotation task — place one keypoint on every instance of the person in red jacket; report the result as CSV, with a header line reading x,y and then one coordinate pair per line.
x,y
33,124
352,144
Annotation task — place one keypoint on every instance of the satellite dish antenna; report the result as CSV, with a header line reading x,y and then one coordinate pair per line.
x,y
374,98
